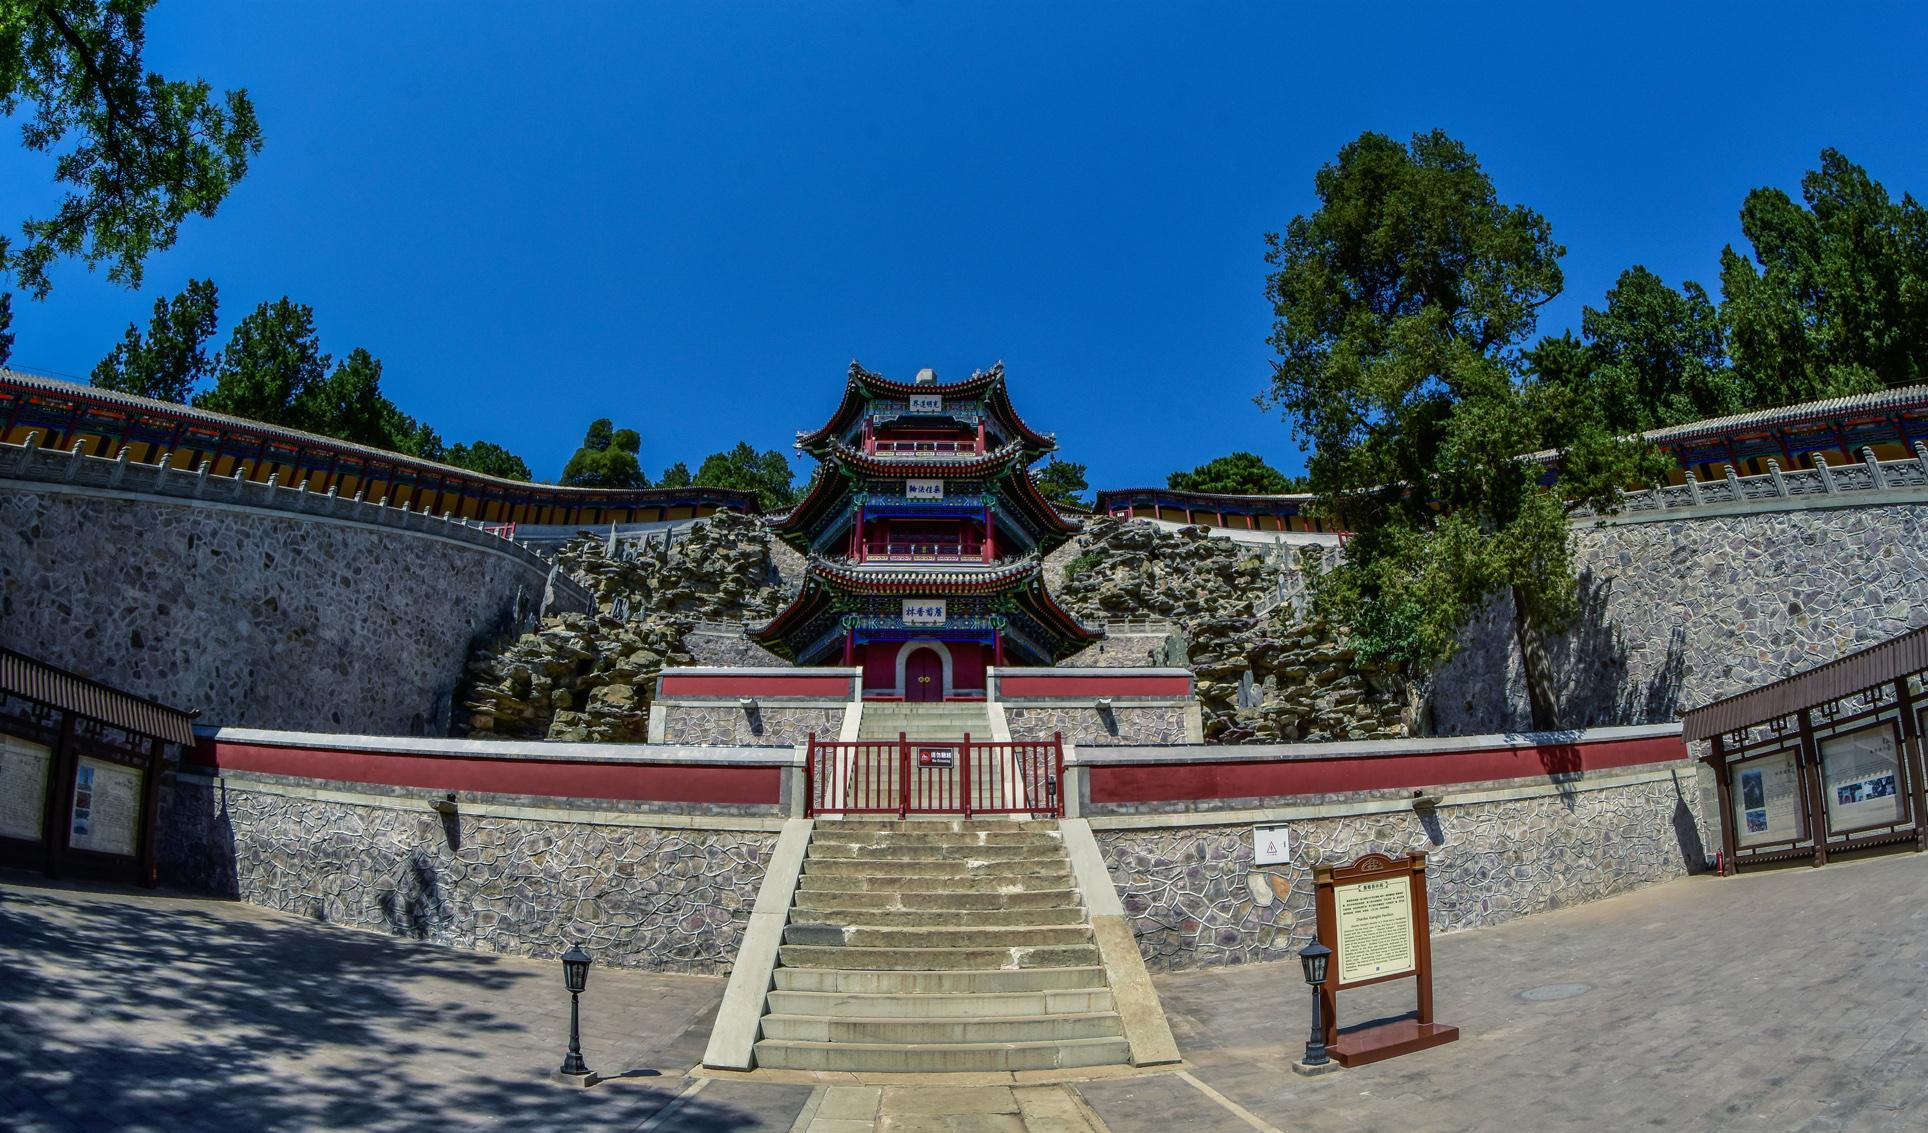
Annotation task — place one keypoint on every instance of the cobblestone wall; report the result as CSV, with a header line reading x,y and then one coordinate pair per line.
x,y
1197,900
1122,724
1682,612
730,723
256,618
667,899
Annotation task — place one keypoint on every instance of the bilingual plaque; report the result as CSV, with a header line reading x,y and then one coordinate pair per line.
x,y
23,787
927,403
107,807
1767,800
1375,920
1863,779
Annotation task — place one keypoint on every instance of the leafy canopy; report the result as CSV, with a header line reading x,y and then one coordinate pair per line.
x,y
488,459
607,459
135,153
1241,473
766,473
6,328
1402,302
1063,482
172,357
1835,298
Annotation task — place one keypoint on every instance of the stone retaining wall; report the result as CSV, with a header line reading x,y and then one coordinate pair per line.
x,y
525,881
1197,900
1121,724
725,723
255,616
1683,611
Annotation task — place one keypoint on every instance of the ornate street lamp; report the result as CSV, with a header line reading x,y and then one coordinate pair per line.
x,y
575,976
1313,958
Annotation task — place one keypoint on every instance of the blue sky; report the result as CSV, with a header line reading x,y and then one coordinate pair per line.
x,y
690,217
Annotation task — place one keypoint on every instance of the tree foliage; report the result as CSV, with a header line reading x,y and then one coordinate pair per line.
x,y
6,327
272,358
1835,298
607,459
1063,482
488,459
1239,474
766,473
1402,305
136,153
172,358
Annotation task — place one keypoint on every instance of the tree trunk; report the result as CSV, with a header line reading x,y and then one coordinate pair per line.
x,y
1535,666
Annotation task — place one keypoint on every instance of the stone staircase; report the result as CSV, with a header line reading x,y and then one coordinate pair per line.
x,y
933,720
935,945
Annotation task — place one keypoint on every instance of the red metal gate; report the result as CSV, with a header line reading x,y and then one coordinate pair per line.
x,y
903,777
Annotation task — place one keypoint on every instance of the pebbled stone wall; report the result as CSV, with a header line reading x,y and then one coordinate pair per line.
x,y
1086,724
729,723
666,899
1196,899
256,618
1681,612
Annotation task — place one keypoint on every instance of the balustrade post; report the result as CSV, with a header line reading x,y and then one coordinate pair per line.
x,y
1693,488
903,776
964,774
1875,479
809,765
1826,473
1780,485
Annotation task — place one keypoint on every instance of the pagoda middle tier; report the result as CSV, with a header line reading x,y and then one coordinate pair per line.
x,y
926,535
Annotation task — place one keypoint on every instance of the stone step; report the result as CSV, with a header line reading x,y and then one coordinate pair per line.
x,y
851,901
836,882
924,824
953,1005
903,869
905,848
1006,1029
828,832
941,918
940,1058
861,958
919,937
931,982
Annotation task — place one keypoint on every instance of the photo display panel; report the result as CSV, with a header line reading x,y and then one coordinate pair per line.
x,y
1863,777
23,787
1767,799
107,807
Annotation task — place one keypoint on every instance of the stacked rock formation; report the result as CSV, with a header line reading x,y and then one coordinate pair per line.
x,y
590,678
1261,678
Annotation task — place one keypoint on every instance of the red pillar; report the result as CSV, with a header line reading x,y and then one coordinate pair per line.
x,y
990,535
980,436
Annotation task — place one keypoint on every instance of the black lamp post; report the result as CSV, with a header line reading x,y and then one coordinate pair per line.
x,y
1313,958
575,976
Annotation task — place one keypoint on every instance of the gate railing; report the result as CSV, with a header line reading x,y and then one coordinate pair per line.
x,y
906,777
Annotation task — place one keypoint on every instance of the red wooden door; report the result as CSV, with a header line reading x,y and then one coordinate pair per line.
x,y
923,675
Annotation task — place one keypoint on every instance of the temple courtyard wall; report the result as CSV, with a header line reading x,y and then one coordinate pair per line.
x,y
253,603
1682,609
653,855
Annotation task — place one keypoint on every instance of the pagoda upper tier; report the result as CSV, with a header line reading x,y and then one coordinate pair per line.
x,y
926,535
884,417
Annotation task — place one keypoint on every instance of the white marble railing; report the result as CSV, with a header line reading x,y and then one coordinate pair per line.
x,y
1870,475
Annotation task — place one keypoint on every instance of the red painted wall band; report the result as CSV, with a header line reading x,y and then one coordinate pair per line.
x,y
1015,688
569,779
746,684
1183,782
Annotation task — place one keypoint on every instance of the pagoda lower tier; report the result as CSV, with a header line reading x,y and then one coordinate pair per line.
x,y
923,632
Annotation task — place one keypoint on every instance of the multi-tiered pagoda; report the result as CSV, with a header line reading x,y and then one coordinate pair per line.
x,y
925,535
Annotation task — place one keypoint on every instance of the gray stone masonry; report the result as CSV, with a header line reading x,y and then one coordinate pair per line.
x,y
258,616
663,898
1197,900
1680,612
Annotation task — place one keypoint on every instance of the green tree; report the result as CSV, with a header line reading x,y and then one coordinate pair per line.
x,y
1239,474
766,473
1835,298
1063,482
172,357
675,476
488,459
607,459
137,154
1401,305
6,327
1653,356
349,404
272,359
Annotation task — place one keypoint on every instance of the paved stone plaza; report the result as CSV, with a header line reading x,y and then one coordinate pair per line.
x,y
1778,1001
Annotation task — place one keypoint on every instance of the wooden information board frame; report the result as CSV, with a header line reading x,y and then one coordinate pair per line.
x,y
1404,1034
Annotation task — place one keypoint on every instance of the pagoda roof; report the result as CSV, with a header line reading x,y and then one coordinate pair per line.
x,y
863,385
924,467
824,579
